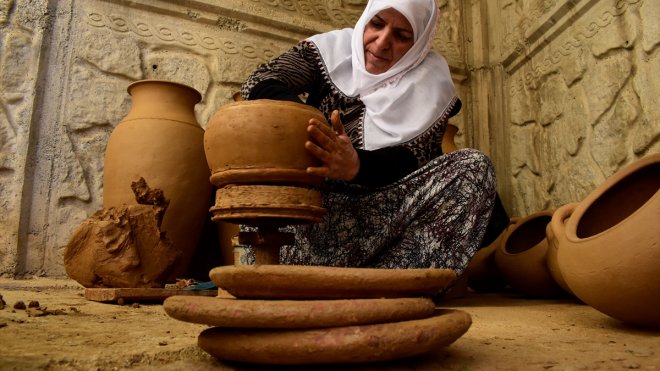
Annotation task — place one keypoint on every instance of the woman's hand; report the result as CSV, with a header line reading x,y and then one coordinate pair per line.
x,y
333,147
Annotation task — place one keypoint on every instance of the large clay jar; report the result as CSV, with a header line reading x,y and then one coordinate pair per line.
x,y
256,152
161,141
482,273
556,236
522,257
610,257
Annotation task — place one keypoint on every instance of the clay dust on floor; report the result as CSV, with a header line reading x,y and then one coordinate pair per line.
x,y
63,331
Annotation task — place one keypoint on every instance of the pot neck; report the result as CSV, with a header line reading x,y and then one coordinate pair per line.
x,y
164,100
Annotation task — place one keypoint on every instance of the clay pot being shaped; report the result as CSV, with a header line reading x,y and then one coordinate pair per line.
x,y
256,152
522,257
554,231
610,257
482,273
161,141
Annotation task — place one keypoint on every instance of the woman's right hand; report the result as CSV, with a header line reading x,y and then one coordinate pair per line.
x,y
333,148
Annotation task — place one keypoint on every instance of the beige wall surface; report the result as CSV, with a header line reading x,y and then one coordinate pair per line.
x,y
559,93
581,88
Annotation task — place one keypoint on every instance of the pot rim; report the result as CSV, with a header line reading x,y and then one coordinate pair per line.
x,y
132,85
258,102
511,229
578,213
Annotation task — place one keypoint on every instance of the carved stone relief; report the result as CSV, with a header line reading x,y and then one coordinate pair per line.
x,y
579,103
21,32
448,40
5,7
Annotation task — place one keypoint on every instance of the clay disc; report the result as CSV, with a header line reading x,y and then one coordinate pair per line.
x,y
295,314
315,282
263,203
366,343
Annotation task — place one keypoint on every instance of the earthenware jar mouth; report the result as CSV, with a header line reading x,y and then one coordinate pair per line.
x,y
527,235
136,87
161,99
618,202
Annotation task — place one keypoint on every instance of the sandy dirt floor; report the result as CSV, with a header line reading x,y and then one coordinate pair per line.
x,y
508,333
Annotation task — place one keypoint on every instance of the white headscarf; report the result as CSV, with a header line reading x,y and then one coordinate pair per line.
x,y
407,99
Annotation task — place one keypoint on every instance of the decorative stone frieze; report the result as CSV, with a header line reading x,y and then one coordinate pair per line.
x,y
580,76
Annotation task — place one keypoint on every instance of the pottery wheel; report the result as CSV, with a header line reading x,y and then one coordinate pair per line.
x,y
264,204
366,343
316,282
289,314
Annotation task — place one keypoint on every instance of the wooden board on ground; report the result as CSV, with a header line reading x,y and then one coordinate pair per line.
x,y
125,295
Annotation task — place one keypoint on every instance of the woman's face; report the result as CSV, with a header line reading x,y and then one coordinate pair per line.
x,y
387,38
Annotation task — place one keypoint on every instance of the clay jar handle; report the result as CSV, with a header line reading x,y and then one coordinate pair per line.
x,y
558,222
556,235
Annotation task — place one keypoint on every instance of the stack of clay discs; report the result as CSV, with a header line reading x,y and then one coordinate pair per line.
x,y
279,314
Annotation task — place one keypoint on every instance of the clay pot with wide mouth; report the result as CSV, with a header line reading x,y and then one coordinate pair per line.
x,y
521,258
610,258
482,273
256,153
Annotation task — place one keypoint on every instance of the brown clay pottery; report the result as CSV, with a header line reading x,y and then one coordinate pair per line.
x,y
256,153
482,273
316,282
611,255
554,232
120,247
161,141
448,144
285,314
351,344
522,257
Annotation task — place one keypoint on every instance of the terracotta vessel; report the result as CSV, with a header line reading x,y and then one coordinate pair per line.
x,y
482,273
448,144
610,257
556,237
522,257
256,153
161,141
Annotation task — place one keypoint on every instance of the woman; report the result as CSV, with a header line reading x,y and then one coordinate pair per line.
x,y
393,199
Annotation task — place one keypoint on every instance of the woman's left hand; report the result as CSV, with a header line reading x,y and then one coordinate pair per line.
x,y
333,147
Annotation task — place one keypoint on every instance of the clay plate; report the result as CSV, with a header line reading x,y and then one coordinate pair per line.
x,y
352,344
295,313
315,282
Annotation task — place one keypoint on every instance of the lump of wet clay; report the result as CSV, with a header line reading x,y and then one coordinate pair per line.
x,y
123,246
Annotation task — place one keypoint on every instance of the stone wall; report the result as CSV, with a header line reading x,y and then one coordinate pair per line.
x,y
580,82
558,92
